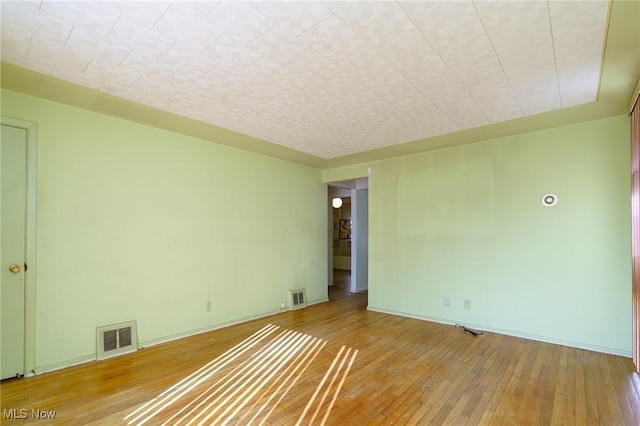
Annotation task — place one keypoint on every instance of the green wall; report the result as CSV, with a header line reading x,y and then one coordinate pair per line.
x,y
140,223
467,223
137,223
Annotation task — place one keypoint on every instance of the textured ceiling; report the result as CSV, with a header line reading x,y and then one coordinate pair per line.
x,y
326,78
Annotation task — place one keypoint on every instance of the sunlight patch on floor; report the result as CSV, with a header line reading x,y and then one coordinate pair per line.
x,y
249,382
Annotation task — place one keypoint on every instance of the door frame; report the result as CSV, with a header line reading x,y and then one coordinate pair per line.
x,y
360,238
352,186
30,255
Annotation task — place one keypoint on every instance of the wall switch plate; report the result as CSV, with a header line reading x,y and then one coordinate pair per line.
x,y
467,303
447,301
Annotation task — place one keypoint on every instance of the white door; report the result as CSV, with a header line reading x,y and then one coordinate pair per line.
x,y
13,205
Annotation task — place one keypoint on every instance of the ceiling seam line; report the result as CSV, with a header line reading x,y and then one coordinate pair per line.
x,y
87,66
495,52
446,66
68,36
29,46
604,49
555,58
113,26
161,16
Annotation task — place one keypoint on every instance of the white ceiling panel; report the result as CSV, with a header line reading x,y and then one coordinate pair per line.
x,y
62,72
186,26
352,12
160,86
137,37
193,9
328,78
411,102
20,18
330,35
107,72
146,65
521,36
435,80
238,20
144,13
187,59
98,18
279,46
467,51
96,46
395,37
295,17
68,59
577,40
231,53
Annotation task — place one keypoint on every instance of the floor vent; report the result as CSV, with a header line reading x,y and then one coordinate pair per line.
x,y
298,298
116,339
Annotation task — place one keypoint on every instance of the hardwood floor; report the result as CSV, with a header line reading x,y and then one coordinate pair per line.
x,y
337,363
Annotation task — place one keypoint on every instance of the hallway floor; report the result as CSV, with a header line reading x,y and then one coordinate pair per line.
x,y
341,289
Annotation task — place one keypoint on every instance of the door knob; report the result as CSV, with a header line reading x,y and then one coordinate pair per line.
x,y
14,268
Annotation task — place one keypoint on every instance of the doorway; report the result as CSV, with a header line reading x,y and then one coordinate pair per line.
x,y
349,235
17,257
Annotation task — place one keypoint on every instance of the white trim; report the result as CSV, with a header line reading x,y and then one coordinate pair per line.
x,y
31,228
544,339
62,365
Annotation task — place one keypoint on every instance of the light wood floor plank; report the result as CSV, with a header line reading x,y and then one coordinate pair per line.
x,y
558,413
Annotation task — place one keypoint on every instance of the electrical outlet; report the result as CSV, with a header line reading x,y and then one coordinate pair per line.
x,y
467,303
208,306
447,301
284,305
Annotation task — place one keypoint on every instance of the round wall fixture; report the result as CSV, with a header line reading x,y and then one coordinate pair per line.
x,y
336,203
549,200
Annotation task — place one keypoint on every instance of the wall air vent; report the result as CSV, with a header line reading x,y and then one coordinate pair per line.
x,y
298,298
116,339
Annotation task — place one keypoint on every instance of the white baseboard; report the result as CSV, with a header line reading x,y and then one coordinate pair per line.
x,y
62,364
512,333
